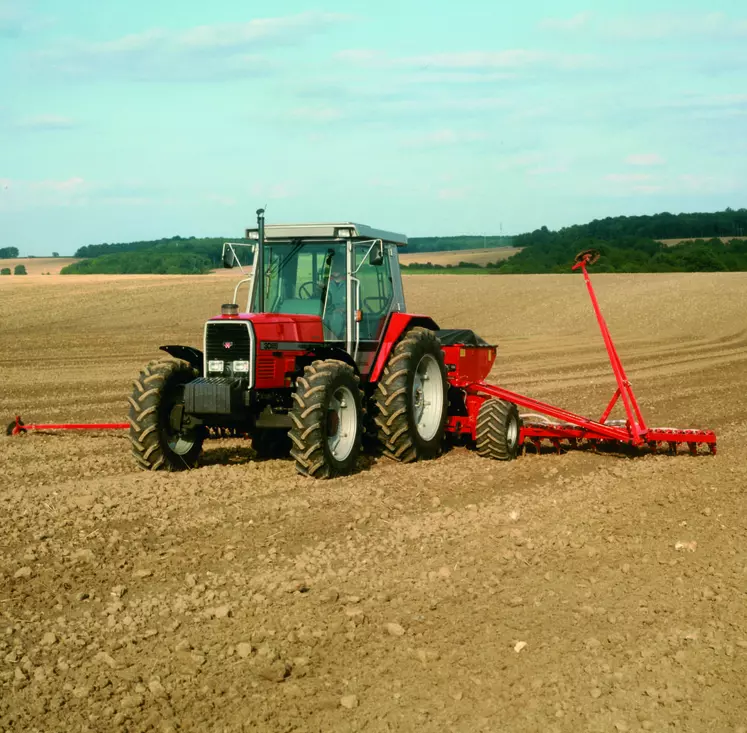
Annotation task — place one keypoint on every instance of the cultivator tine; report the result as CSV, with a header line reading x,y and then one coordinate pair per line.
x,y
537,444
556,444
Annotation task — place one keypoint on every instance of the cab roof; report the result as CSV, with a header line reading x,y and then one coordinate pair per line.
x,y
340,230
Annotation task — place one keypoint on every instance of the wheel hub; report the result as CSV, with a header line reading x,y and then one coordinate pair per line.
x,y
342,423
427,397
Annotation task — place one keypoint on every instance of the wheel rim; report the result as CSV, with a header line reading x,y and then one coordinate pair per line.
x,y
512,432
342,423
180,442
428,397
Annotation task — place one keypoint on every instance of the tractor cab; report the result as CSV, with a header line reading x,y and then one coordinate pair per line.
x,y
322,347
345,275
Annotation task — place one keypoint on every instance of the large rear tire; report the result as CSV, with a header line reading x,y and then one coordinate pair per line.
x,y
327,420
411,398
156,406
498,430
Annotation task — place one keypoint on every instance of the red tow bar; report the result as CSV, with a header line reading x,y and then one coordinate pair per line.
x,y
18,426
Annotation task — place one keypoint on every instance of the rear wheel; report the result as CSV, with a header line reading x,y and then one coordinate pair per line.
x,y
411,398
327,420
498,430
160,441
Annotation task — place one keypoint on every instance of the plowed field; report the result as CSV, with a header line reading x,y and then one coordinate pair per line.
x,y
476,256
574,592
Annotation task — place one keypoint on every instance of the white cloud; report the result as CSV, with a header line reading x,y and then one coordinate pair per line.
x,y
645,159
201,52
17,195
453,194
673,185
534,163
222,200
652,26
46,122
627,177
444,137
509,60
574,23
14,19
69,185
317,114
272,191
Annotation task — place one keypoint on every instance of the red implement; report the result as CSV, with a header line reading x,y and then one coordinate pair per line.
x,y
569,426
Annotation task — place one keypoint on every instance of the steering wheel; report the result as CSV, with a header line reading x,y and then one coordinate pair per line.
x,y
381,299
306,290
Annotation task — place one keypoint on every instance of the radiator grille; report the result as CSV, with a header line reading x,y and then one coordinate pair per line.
x,y
229,342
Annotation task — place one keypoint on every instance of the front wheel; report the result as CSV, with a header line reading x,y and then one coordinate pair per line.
x,y
160,440
327,420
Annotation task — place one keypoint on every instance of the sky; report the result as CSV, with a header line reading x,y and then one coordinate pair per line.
x,y
136,120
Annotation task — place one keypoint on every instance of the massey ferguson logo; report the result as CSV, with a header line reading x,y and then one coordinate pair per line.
x,y
227,344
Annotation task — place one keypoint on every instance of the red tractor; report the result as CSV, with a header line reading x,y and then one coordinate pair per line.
x,y
326,354
325,351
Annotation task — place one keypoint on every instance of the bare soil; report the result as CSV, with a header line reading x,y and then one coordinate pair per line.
x,y
39,265
573,592
675,242
476,256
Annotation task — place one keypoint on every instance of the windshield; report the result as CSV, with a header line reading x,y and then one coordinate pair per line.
x,y
297,276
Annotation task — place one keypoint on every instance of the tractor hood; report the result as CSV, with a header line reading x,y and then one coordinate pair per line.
x,y
280,327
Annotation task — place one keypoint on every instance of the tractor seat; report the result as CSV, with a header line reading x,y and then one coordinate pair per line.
x,y
452,336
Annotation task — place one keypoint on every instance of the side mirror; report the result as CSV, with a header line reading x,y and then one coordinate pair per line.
x,y
229,257
377,254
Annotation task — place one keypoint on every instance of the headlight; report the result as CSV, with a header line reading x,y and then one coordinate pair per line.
x,y
241,366
215,365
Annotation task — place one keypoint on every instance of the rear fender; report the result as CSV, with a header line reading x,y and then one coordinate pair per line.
x,y
187,353
396,326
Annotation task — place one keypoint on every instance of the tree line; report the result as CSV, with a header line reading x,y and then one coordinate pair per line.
x,y
628,244
627,255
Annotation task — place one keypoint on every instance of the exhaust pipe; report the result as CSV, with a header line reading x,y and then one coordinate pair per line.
x,y
259,262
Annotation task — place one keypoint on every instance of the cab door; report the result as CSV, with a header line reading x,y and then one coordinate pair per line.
x,y
374,301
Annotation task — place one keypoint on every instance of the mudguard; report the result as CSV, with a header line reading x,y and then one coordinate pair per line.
x,y
396,326
187,353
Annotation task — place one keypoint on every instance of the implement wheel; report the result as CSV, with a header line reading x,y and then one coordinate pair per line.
x,y
498,430
327,420
159,441
411,398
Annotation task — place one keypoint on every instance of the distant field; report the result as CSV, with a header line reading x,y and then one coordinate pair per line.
x,y
39,265
453,257
674,242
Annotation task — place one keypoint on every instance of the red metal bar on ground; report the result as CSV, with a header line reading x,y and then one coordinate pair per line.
x,y
18,427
